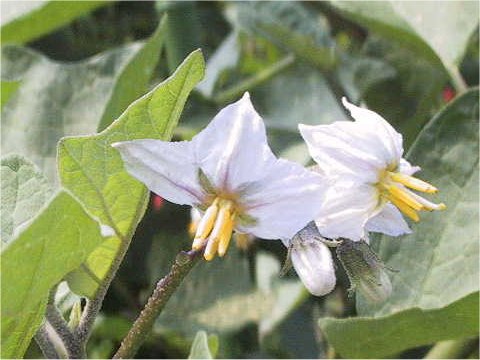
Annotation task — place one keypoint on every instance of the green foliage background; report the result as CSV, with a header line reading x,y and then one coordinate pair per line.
x,y
79,76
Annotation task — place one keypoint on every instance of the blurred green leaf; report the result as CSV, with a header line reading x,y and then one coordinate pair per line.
x,y
439,263
291,26
8,89
436,31
94,172
25,21
56,242
384,336
24,192
57,99
203,346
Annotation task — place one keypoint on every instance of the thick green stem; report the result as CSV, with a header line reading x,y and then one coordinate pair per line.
x,y
451,349
257,79
45,344
184,262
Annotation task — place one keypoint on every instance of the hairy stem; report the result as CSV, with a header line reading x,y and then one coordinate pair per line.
x,y
45,343
255,80
451,349
184,262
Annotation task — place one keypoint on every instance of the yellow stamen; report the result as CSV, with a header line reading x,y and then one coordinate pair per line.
x,y
205,226
427,205
404,208
404,196
226,236
413,183
222,231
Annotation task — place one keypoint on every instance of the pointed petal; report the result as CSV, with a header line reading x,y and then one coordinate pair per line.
x,y
233,148
389,221
346,210
343,149
384,133
166,168
284,201
313,263
406,168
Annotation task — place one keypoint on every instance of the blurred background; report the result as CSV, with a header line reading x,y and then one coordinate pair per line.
x,y
297,59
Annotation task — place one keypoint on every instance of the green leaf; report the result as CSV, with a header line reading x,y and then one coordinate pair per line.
x,y
438,265
291,26
56,99
381,337
435,31
26,21
24,192
203,346
56,242
93,170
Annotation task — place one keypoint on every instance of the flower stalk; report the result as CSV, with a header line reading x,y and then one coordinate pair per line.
x,y
184,262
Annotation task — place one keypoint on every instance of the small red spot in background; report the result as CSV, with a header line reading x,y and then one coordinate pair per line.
x,y
448,94
157,202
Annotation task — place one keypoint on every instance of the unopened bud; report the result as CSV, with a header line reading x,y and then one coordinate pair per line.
x,y
312,261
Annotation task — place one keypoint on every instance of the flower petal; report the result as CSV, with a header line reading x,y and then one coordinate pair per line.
x,y
283,201
383,133
313,263
389,221
346,210
406,168
233,150
166,168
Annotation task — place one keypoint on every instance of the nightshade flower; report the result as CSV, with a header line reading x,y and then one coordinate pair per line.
x,y
370,179
229,174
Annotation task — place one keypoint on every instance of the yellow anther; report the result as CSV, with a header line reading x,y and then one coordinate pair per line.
x,y
404,195
205,226
404,208
226,235
222,231
427,205
413,183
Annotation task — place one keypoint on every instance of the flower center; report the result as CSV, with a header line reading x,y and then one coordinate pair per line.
x,y
393,187
215,228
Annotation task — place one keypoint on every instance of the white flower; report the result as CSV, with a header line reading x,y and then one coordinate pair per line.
x,y
368,176
229,173
312,260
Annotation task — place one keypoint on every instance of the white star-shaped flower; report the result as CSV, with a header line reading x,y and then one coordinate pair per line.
x,y
229,173
369,179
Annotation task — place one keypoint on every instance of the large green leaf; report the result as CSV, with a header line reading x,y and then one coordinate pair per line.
x,y
380,337
57,99
93,170
56,242
24,192
439,263
26,21
436,31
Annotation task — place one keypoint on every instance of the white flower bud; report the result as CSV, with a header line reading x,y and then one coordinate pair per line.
x,y
313,262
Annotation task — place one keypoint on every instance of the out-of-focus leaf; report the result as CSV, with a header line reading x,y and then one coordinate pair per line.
x,y
438,264
93,170
412,95
24,21
291,26
8,89
436,31
203,346
24,192
380,337
56,242
225,57
57,99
